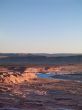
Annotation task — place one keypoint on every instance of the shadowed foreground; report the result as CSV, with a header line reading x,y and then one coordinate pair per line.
x,y
41,94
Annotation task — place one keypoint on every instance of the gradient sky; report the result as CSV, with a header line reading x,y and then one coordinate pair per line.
x,y
53,26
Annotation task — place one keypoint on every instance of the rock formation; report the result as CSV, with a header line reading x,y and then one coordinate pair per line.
x,y
15,78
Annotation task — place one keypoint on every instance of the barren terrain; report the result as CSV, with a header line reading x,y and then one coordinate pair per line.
x,y
26,91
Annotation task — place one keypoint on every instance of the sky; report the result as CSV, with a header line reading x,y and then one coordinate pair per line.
x,y
41,26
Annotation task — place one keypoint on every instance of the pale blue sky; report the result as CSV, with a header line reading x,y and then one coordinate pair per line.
x,y
53,26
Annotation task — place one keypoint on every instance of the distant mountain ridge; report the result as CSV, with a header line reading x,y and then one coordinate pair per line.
x,y
50,59
39,54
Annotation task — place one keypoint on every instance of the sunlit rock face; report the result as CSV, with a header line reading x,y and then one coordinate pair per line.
x,y
32,70
58,69
54,69
35,70
9,79
42,69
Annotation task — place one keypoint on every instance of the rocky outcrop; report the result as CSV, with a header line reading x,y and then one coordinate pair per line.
x,y
15,78
56,69
6,76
